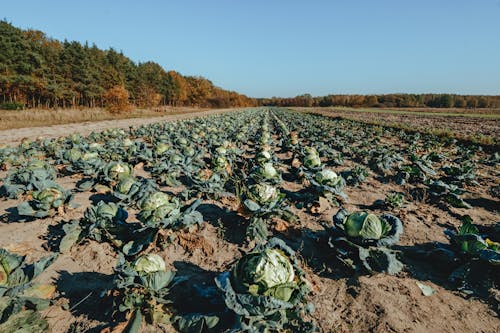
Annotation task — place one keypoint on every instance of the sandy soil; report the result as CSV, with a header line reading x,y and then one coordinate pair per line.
x,y
344,303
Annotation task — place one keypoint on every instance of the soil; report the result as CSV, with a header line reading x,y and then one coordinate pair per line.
x,y
343,302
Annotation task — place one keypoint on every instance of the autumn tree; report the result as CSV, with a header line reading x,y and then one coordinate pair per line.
x,y
116,99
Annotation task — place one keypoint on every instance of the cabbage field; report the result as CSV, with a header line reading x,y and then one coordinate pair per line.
x,y
255,220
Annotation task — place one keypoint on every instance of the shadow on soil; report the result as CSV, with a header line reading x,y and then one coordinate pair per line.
x,y
83,291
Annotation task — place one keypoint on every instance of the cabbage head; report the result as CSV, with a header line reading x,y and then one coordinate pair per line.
x,y
268,171
264,193
365,225
262,273
161,148
125,185
312,159
51,196
73,155
327,177
118,170
155,200
149,263
88,156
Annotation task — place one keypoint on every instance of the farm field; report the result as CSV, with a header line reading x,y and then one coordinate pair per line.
x,y
251,218
481,127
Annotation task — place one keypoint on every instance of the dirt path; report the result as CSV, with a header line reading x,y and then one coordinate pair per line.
x,y
14,136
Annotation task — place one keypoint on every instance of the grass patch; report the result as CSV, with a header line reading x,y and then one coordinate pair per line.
x,y
11,119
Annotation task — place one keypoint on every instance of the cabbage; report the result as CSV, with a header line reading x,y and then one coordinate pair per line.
x,y
155,201
182,142
312,160
90,156
189,151
176,158
119,170
161,148
265,155
127,142
258,273
264,193
149,263
220,162
73,154
327,177
95,146
221,150
268,171
107,210
50,196
364,225
125,185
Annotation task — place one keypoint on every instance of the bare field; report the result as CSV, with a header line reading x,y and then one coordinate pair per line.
x,y
481,128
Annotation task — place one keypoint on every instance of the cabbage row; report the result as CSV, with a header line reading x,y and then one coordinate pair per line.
x,y
256,158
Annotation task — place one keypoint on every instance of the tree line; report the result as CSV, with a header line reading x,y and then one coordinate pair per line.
x,y
37,71
388,100
40,72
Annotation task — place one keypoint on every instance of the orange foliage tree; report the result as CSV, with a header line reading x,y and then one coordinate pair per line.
x,y
116,99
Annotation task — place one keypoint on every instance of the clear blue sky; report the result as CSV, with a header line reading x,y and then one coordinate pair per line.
x,y
285,48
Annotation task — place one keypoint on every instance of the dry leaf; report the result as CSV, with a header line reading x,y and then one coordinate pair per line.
x,y
190,242
280,225
296,163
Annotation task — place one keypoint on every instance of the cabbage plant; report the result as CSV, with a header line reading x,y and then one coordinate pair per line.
x,y
261,202
141,291
106,222
131,190
108,174
206,184
471,260
161,210
266,290
18,310
311,158
471,244
30,176
355,176
116,171
266,172
89,163
449,193
49,201
361,241
328,184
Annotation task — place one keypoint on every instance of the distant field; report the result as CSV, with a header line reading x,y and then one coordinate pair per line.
x,y
481,127
452,112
